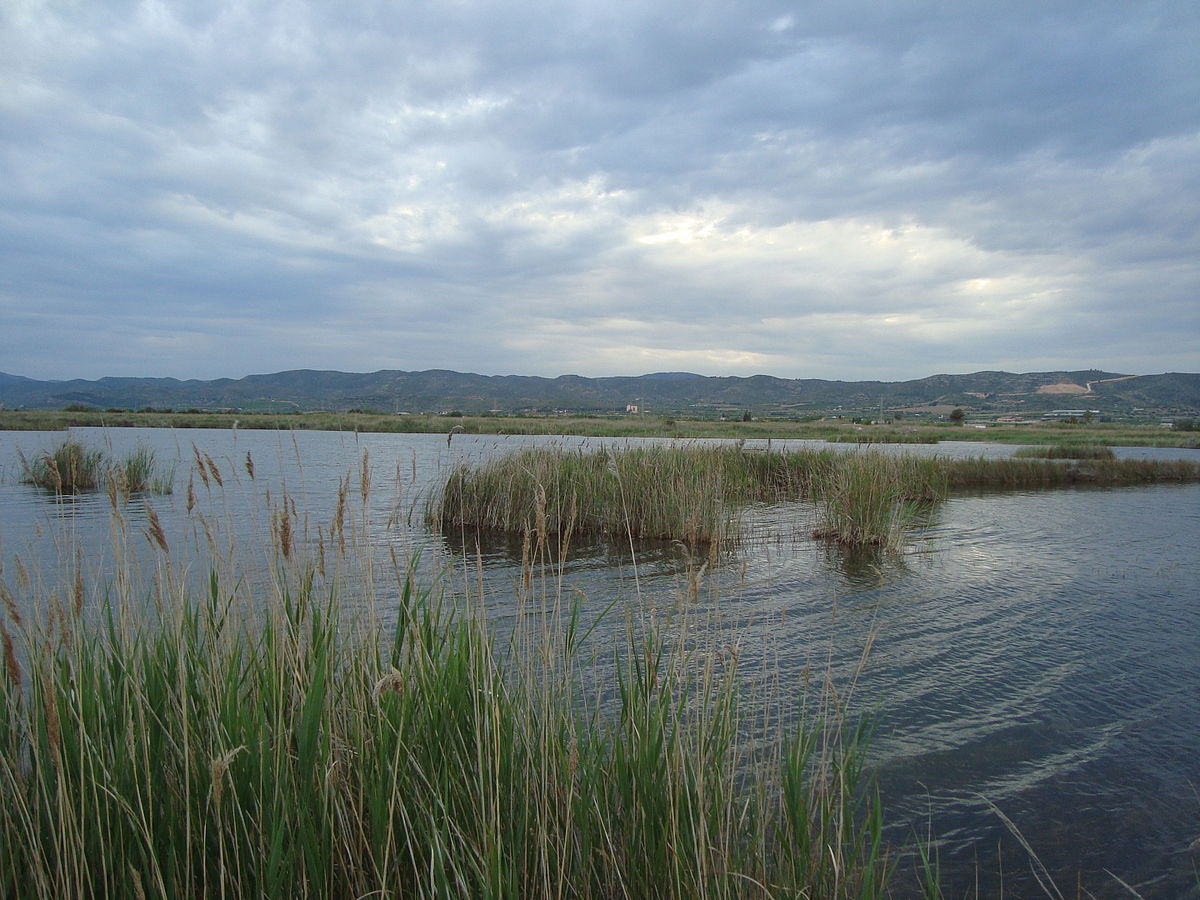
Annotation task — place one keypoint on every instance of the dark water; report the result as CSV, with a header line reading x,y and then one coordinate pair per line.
x,y
1036,656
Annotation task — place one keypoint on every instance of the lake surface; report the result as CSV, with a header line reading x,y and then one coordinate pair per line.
x,y
1035,653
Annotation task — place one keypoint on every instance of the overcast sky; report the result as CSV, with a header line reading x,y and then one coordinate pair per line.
x,y
853,190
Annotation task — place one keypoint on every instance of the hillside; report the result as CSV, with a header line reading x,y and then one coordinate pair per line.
x,y
675,393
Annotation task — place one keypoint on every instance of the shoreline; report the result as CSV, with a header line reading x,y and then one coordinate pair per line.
x,y
836,431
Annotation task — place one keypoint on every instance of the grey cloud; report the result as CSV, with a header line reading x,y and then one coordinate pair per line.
x,y
480,176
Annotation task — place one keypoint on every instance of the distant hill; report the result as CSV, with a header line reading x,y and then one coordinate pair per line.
x,y
674,393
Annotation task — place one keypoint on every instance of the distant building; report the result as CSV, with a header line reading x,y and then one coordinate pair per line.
x,y
631,408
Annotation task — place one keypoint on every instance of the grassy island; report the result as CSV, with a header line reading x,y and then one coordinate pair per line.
x,y
909,431
693,493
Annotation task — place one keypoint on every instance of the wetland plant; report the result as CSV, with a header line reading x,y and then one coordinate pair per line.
x,y
72,467
225,740
886,437
695,493
67,469
671,493
692,493
139,472
871,499
1066,451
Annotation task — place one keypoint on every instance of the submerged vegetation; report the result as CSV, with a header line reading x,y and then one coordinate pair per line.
x,y
694,493
183,740
71,468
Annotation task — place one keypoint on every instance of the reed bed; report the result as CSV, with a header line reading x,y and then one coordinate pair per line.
x,y
688,493
694,493
67,469
876,436
168,740
870,499
1044,473
1066,451
140,472
72,468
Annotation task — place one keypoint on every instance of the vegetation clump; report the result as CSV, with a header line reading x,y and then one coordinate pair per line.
x,y
140,472
227,742
1066,451
67,469
870,499
72,468
695,493
886,437
686,494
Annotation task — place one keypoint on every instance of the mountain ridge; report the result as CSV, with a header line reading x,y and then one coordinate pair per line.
x,y
434,390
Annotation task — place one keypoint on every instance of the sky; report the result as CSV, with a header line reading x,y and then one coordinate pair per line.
x,y
848,190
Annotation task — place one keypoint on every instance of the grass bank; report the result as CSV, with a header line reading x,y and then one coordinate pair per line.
x,y
167,740
835,430
694,493
1066,451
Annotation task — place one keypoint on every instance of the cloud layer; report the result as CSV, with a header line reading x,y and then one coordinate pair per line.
x,y
839,190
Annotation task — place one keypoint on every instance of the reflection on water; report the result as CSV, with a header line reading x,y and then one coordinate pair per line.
x,y
1039,652
863,568
574,555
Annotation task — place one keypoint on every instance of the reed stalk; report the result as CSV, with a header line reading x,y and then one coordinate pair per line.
x,y
870,499
72,467
67,469
695,493
223,741
1066,451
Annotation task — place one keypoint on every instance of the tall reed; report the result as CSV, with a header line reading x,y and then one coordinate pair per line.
x,y
687,493
871,499
695,493
1066,451
217,741
140,472
72,468
67,469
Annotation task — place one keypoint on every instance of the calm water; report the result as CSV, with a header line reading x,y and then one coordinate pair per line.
x,y
1034,653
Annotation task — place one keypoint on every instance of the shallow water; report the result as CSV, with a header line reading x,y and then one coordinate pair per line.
x,y
1035,654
